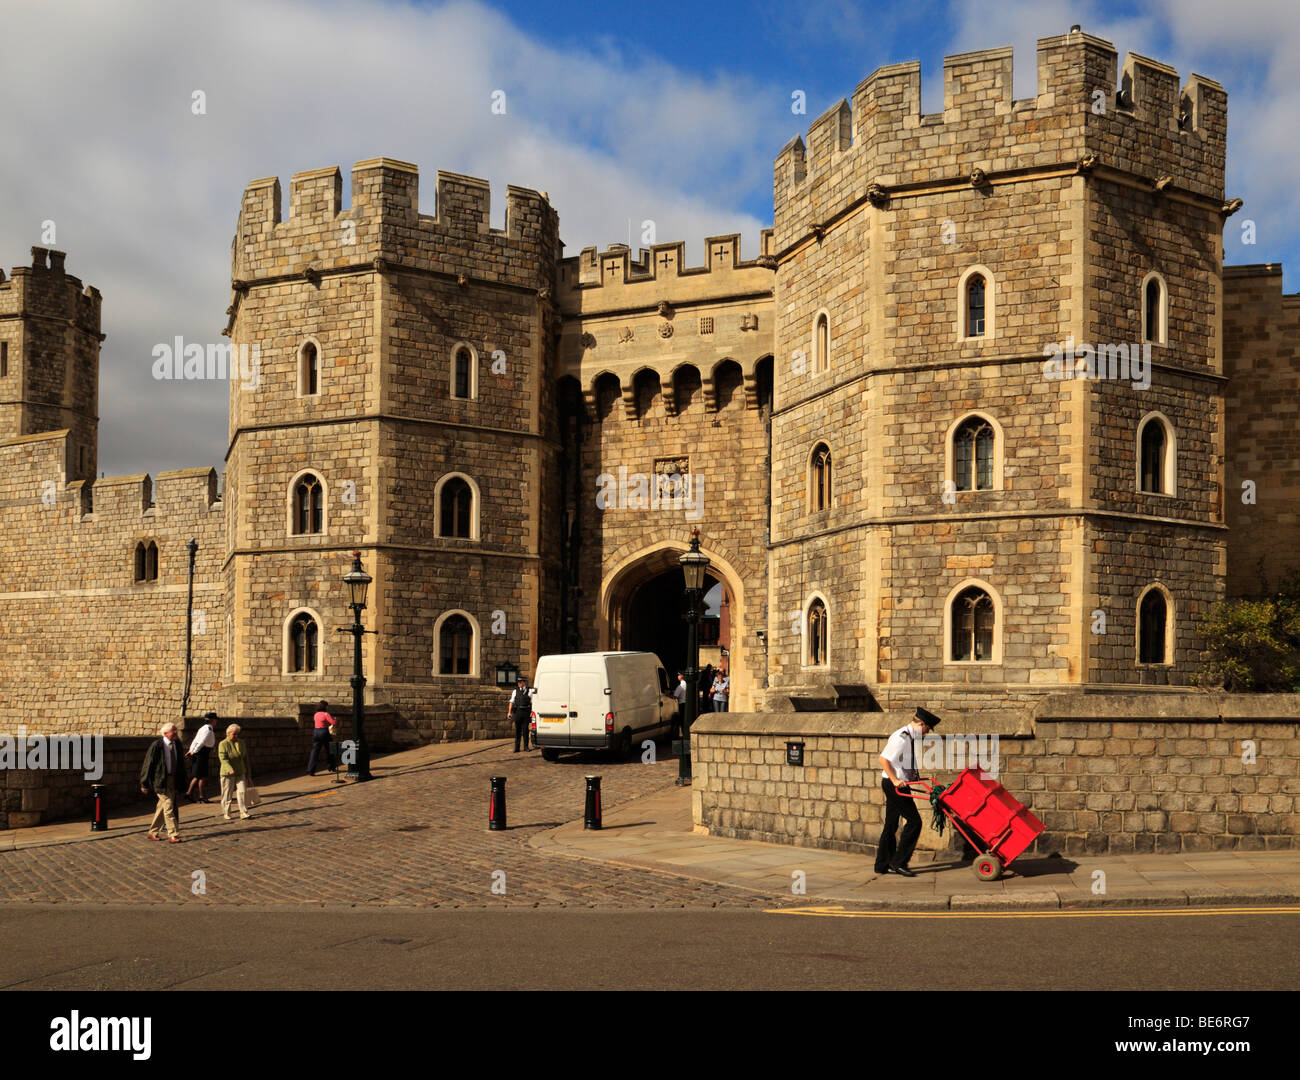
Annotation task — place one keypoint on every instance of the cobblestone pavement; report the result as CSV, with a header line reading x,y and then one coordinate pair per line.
x,y
418,838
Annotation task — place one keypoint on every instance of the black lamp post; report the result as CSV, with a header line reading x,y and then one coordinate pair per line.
x,y
694,563
358,582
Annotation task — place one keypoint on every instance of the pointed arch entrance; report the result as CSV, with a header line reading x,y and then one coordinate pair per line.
x,y
642,599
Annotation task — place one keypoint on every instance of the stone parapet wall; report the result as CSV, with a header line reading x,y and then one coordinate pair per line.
x,y
1104,773
276,744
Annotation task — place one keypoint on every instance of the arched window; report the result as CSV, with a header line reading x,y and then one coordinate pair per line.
x,y
308,505
822,343
308,369
972,448
729,386
972,625
819,478
139,562
648,393
817,629
456,509
608,392
151,562
455,646
1155,309
975,289
686,387
1153,619
1157,456
464,371
304,636
461,373
976,305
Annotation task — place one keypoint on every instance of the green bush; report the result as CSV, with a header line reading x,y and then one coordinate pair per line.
x,y
1254,645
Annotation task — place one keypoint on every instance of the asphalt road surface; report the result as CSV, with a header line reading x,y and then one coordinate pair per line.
x,y
99,947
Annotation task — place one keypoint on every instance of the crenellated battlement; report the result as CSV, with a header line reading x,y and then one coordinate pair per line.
x,y
39,474
595,280
46,289
1138,122
384,224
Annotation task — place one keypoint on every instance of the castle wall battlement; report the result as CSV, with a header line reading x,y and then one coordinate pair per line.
x,y
597,281
384,225
45,289
37,472
100,650
883,139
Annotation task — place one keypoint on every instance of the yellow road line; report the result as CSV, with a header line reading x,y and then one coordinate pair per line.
x,y
842,913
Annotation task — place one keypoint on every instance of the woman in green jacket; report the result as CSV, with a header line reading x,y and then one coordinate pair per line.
x,y
235,771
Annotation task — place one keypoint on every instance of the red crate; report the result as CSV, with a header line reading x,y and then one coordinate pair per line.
x,y
985,808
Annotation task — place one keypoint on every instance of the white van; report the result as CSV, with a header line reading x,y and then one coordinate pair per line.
x,y
606,701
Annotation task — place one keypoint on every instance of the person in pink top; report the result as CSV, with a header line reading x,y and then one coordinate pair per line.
x,y
321,738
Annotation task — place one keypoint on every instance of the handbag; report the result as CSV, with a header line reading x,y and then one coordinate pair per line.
x,y
251,797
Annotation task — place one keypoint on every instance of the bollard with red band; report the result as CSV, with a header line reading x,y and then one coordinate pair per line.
x,y
591,818
99,811
497,806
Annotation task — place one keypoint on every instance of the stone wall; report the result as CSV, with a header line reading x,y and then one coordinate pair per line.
x,y
30,797
89,649
1105,773
1261,332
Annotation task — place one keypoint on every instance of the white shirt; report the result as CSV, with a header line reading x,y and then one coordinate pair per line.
x,y
515,693
205,737
898,751
679,691
721,687
169,749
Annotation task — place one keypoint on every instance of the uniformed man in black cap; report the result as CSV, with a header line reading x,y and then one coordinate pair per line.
x,y
900,763
521,711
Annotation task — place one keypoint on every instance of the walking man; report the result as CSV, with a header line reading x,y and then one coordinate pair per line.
x,y
898,765
163,774
521,711
679,695
721,691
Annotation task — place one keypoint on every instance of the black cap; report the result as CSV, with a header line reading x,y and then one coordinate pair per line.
x,y
522,679
211,716
928,718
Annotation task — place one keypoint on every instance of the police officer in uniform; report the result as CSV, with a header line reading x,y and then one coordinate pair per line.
x,y
521,711
899,763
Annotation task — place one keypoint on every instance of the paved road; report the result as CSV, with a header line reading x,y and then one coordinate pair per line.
x,y
96,948
418,838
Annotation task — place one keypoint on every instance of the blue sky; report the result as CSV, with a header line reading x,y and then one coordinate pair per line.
x,y
670,112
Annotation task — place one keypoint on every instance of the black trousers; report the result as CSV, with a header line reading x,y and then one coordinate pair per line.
x,y
891,853
521,731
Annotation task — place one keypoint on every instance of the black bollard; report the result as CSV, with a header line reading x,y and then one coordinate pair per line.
x,y
591,818
497,807
99,813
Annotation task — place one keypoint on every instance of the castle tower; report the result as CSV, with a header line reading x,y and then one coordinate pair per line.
x,y
403,408
49,357
952,520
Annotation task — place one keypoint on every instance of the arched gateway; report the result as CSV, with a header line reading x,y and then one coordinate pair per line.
x,y
641,603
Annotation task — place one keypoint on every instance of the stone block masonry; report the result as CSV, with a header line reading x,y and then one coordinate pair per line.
x,y
1105,773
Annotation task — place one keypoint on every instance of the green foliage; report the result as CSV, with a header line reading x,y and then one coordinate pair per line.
x,y
1254,645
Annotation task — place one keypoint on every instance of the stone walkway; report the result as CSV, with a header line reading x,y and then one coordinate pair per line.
x,y
417,836
656,833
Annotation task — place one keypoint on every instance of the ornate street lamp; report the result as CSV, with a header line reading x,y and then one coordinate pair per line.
x,y
694,564
358,583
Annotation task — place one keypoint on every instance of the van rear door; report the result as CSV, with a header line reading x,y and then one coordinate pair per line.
x,y
588,701
551,702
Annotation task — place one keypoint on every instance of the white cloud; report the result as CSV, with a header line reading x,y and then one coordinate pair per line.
x,y
145,194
